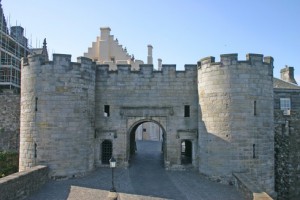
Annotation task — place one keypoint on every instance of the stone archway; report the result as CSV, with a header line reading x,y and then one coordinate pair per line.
x,y
132,135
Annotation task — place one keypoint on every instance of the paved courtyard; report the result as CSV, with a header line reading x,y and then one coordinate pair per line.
x,y
144,179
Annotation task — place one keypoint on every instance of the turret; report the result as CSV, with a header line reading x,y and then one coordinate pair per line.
x,y
235,119
57,114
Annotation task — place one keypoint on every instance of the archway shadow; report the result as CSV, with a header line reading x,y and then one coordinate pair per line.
x,y
148,154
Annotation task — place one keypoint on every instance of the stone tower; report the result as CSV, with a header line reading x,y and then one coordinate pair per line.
x,y
236,117
57,114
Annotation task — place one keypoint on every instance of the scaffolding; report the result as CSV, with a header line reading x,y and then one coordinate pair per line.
x,y
13,46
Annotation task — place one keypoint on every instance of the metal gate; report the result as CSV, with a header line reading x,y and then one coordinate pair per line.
x,y
106,151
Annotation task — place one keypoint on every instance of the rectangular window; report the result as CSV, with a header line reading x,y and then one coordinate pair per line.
x,y
254,108
186,111
285,104
106,110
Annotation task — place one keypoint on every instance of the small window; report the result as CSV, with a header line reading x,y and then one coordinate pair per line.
x,y
254,108
285,104
144,130
186,111
106,110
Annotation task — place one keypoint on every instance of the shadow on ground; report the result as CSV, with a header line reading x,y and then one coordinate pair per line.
x,y
144,179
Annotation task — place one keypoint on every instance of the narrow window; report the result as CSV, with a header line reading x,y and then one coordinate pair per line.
x,y
254,108
186,111
35,150
36,101
106,110
253,149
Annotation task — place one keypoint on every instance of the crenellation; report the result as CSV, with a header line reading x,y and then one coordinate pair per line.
x,y
146,69
251,57
62,59
84,60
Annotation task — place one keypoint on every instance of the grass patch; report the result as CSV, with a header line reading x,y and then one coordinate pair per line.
x,y
9,163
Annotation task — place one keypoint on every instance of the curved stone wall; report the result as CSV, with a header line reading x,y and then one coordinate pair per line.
x,y
57,115
236,117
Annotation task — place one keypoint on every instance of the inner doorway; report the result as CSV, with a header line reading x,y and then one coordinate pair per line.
x,y
186,152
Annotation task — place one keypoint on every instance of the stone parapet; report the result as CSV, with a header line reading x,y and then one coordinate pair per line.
x,y
249,188
20,185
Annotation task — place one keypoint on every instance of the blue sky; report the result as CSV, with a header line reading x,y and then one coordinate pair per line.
x,y
181,32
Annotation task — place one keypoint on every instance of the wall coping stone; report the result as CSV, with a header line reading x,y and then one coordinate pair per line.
x,y
250,189
20,185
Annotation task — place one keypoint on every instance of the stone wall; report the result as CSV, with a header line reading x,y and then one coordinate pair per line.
x,y
20,185
287,146
9,121
146,95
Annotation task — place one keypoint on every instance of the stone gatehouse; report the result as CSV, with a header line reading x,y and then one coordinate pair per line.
x,y
74,115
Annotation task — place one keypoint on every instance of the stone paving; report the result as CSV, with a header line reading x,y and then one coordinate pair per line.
x,y
145,179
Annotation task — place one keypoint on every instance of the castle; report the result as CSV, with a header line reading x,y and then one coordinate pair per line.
x,y
227,115
71,113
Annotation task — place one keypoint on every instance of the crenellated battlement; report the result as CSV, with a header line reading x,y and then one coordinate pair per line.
x,y
146,69
61,60
64,60
232,59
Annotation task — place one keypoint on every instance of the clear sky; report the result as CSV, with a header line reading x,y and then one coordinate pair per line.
x,y
180,31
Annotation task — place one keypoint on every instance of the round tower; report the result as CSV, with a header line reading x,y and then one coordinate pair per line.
x,y
57,115
236,117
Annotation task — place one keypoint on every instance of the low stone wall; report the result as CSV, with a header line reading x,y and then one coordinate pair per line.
x,y
20,185
249,189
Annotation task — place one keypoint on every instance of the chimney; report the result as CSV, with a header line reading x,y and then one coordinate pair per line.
x,y
104,33
149,57
159,64
287,74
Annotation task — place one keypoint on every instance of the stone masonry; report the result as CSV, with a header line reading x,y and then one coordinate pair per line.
x,y
287,145
9,121
69,111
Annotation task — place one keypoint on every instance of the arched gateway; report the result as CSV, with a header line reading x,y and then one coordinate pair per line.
x,y
132,135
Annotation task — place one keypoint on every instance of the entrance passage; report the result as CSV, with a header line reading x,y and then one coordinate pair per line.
x,y
186,152
106,151
149,153
146,141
